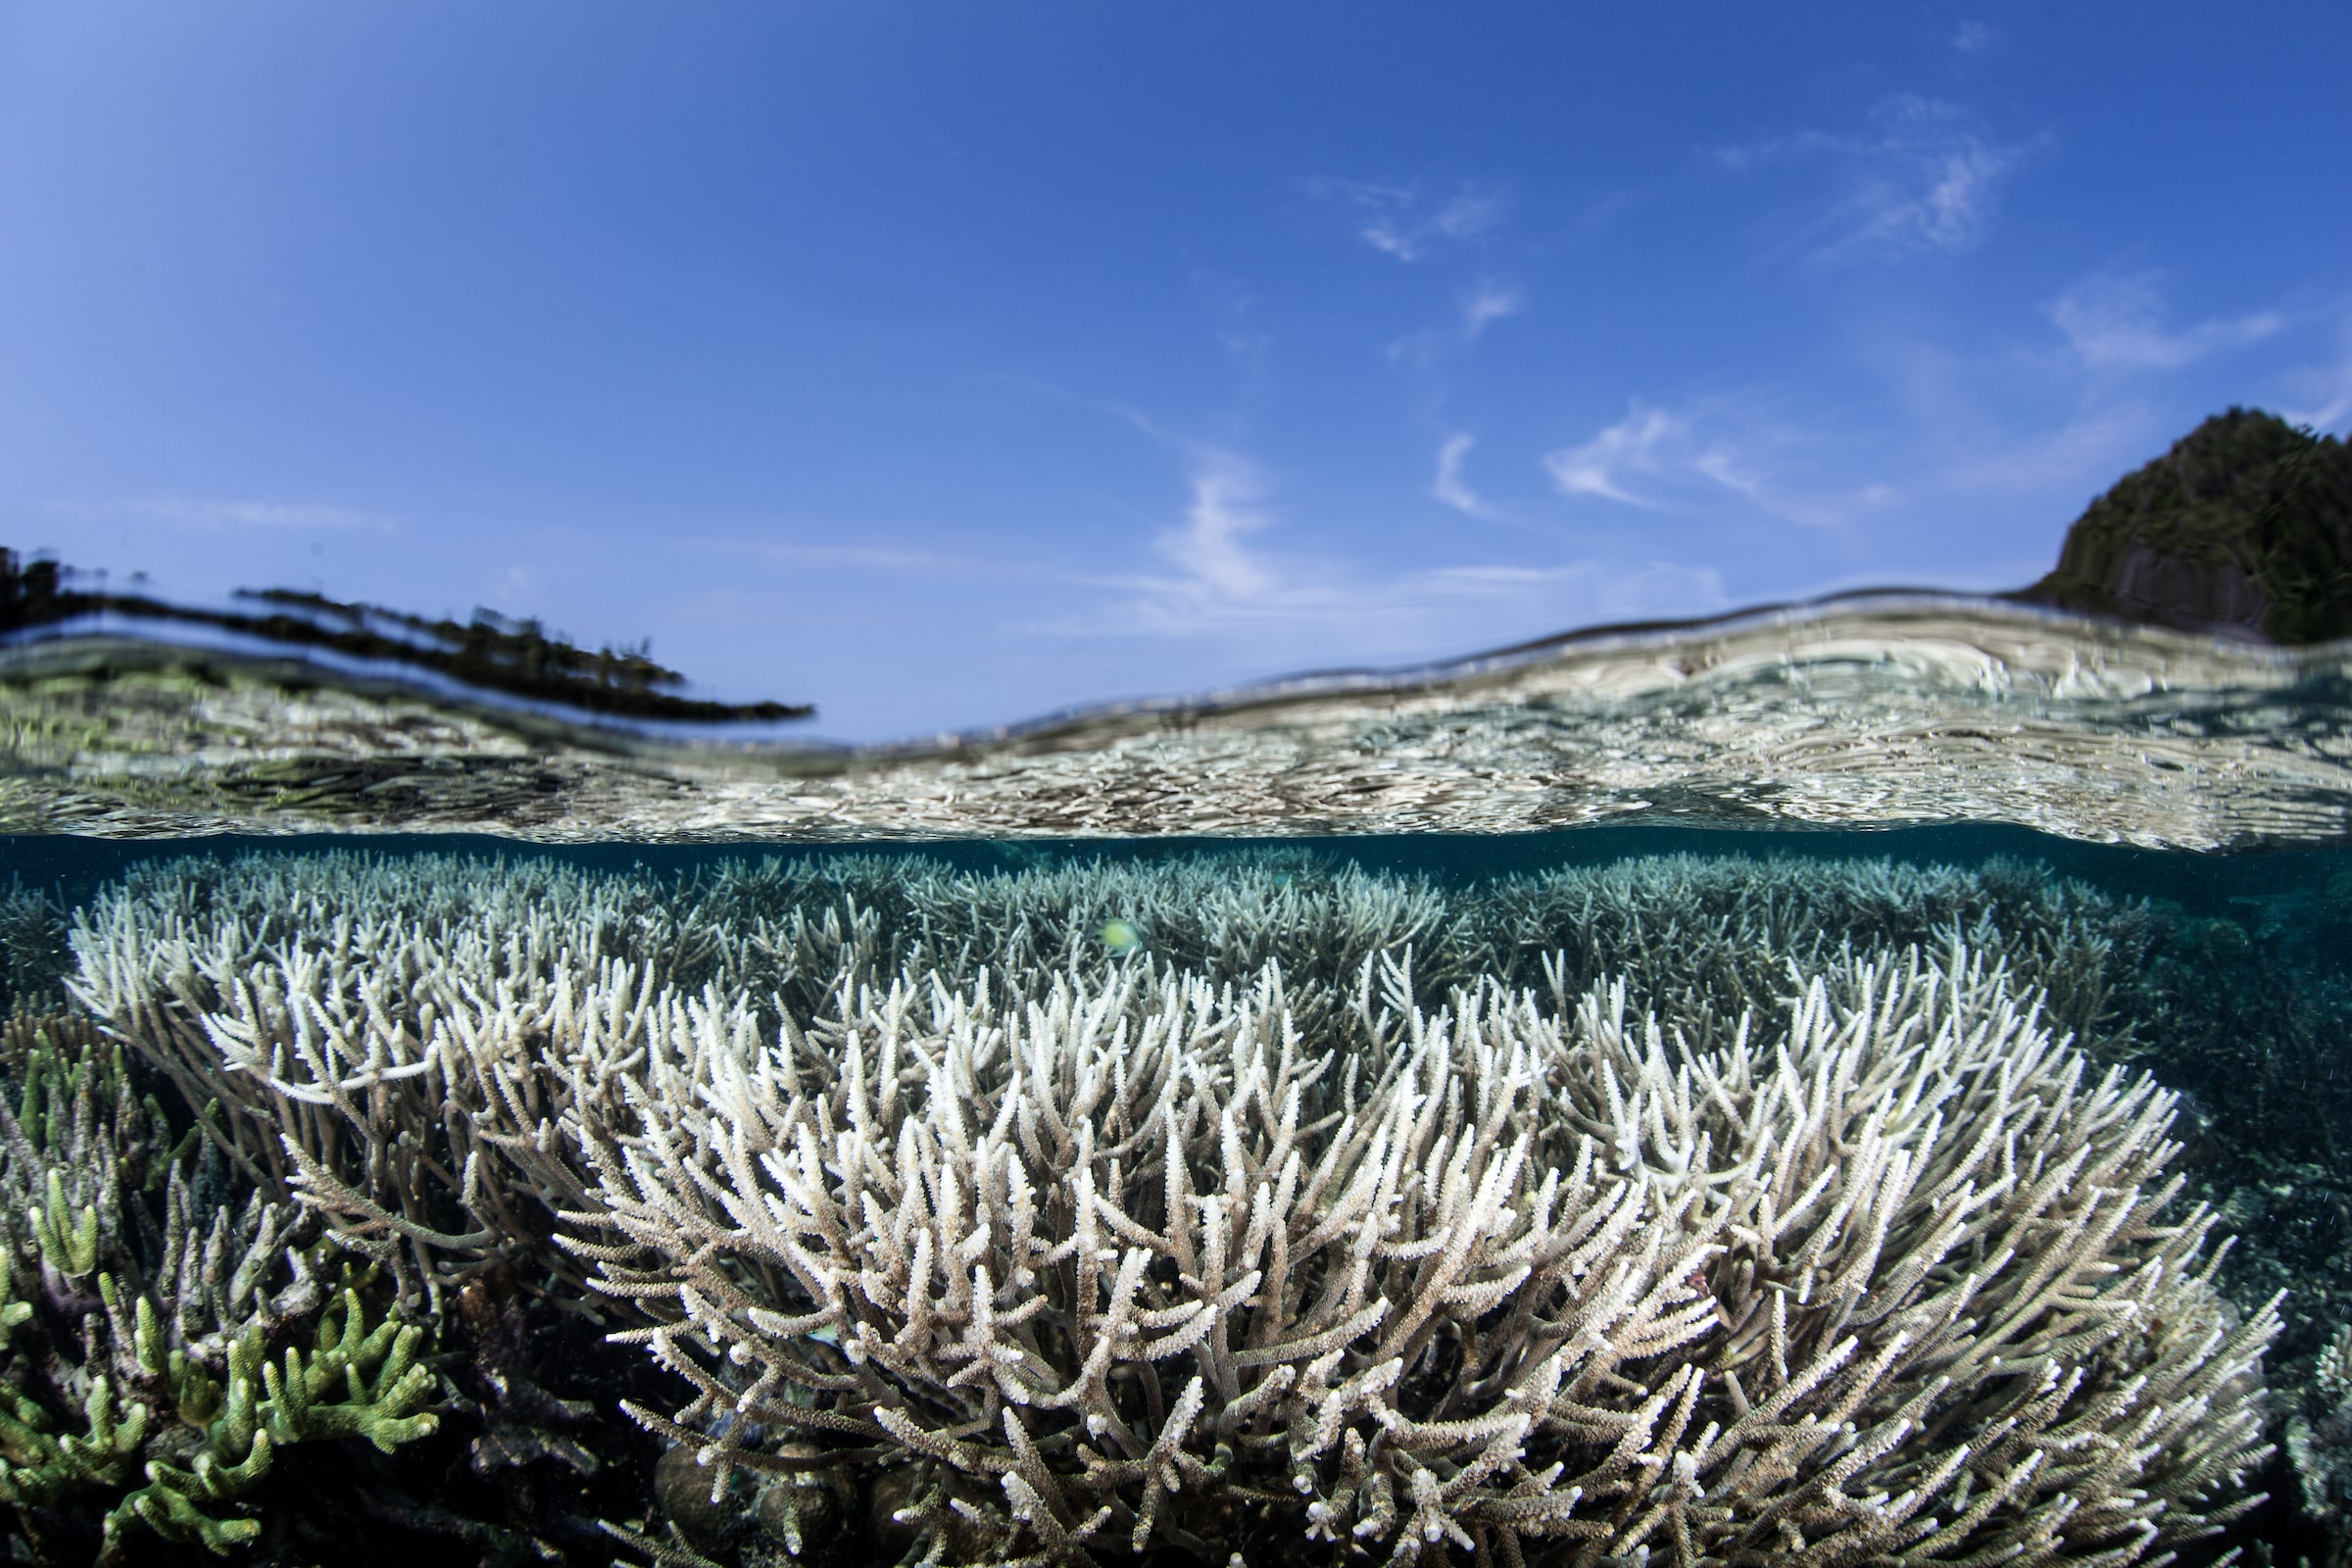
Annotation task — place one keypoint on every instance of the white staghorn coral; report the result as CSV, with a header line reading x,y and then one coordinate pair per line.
x,y
1132,1263
2320,1451
1098,1250
401,1043
1706,938
396,1044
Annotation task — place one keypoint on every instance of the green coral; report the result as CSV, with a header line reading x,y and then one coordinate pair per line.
x,y
375,1374
356,1382
13,1312
40,1467
68,1242
180,1399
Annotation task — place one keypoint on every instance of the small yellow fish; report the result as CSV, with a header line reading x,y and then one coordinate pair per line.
x,y
1121,938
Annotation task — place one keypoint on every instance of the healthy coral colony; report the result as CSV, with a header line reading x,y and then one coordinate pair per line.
x,y
1212,1209
146,1311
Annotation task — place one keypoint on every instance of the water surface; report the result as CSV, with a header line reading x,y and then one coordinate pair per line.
x,y
1870,712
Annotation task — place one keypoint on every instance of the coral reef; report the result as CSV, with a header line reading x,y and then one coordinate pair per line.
x,y
1704,939
1134,1266
2320,1444
164,1344
969,1187
409,1046
33,957
374,1039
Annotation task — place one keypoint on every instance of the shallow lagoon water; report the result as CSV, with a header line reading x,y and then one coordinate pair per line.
x,y
1866,713
2192,793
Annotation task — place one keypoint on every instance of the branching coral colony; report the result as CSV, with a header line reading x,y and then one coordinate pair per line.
x,y
1134,1267
162,1344
1072,1251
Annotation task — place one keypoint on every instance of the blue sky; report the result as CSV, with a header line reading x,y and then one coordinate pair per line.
x,y
948,364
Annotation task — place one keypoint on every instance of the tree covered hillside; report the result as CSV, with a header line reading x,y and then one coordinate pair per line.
x,y
2244,526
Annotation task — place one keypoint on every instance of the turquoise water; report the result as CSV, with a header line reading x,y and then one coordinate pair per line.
x,y
2139,837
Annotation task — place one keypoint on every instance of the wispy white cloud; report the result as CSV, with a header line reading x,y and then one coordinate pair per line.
x,y
2085,451
1211,550
304,517
1487,304
2321,395
1449,487
1923,175
1478,310
2117,324
1974,37
2325,416
1226,579
1608,465
1211,576
2053,415
1693,458
1408,222
1928,180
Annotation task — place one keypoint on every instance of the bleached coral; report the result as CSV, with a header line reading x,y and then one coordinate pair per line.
x,y
1133,1264
1105,1244
408,1044
795,926
1704,938
394,1044
2320,1449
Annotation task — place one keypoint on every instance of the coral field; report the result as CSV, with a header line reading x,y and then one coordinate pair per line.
x,y
1732,1209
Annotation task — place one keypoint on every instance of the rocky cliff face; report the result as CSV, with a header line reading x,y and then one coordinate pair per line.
x,y
2244,527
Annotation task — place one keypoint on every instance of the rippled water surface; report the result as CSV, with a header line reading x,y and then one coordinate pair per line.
x,y
1872,713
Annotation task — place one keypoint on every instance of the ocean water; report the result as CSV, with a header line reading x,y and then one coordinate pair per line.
x,y
297,897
